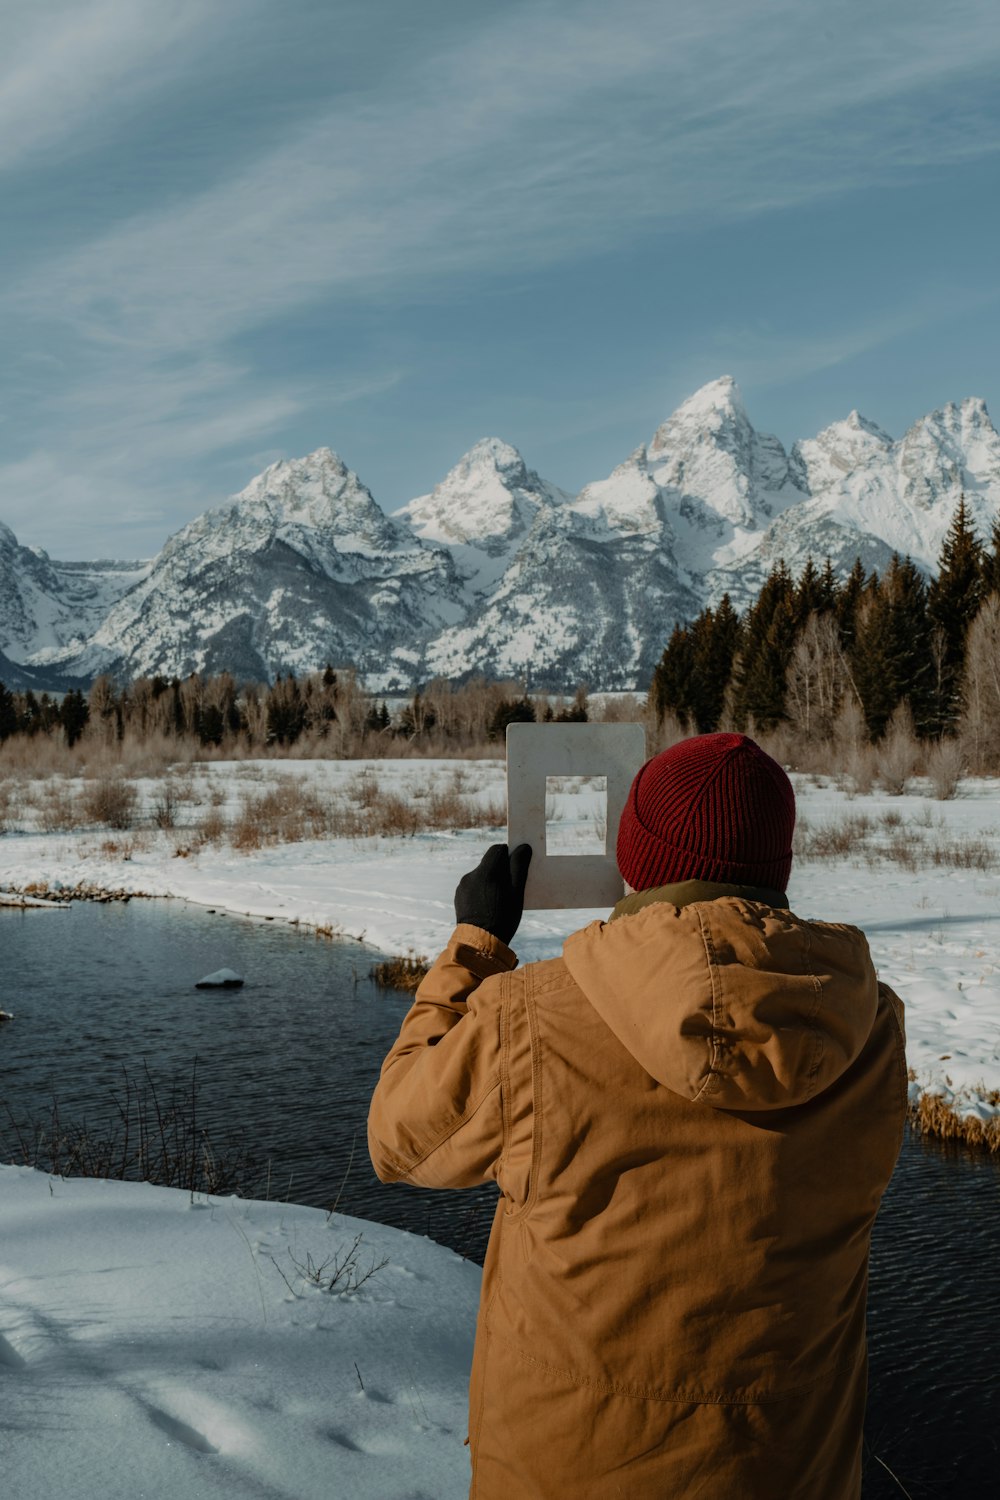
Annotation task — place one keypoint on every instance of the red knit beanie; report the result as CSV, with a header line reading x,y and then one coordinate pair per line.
x,y
711,808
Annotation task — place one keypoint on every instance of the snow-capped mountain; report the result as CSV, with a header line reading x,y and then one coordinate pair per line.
x,y
48,607
482,511
497,570
302,567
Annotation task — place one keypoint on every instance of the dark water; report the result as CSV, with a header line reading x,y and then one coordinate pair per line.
x,y
291,1060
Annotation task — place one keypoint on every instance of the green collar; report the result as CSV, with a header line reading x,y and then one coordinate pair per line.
x,y
687,891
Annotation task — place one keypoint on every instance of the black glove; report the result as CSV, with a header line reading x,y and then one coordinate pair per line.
x,y
492,895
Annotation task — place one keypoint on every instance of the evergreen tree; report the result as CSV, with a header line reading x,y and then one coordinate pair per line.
x,y
953,602
416,718
716,641
991,562
828,591
29,718
377,719
510,711
769,635
8,714
808,592
891,656
211,725
847,601
693,674
576,713
671,690
286,715
73,715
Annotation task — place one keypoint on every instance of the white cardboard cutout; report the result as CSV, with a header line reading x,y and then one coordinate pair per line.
x,y
536,751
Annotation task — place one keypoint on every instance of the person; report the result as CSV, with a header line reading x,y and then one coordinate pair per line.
x,y
691,1116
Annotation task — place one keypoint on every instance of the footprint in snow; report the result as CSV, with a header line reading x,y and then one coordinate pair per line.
x,y
179,1432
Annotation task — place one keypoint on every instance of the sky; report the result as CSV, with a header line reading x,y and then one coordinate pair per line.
x,y
233,231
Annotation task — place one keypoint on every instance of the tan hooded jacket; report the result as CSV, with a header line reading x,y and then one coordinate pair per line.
x,y
691,1116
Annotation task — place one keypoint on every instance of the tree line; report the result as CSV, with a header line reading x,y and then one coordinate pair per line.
x,y
809,651
325,711
814,657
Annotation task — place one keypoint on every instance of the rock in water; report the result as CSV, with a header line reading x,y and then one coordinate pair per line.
x,y
222,979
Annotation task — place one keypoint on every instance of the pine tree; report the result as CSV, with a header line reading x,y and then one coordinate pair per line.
x,y
808,592
847,602
828,591
510,711
953,602
8,714
891,656
73,715
671,688
991,562
769,634
715,646
286,712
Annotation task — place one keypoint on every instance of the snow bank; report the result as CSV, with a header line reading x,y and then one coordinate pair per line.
x,y
149,1345
934,930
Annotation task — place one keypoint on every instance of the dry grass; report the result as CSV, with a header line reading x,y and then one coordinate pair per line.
x,y
213,827
255,808
945,763
155,1134
111,800
400,974
933,1115
889,840
294,809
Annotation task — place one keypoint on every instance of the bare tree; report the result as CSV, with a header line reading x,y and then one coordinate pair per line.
x,y
816,678
979,726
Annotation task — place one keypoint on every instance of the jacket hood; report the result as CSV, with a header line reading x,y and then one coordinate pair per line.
x,y
730,1002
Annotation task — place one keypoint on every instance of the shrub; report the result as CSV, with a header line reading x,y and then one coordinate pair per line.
x,y
340,1273
945,763
897,755
111,800
400,973
156,1136
212,828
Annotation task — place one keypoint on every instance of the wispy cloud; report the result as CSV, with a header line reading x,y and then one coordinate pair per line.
x,y
553,133
131,435
548,131
70,69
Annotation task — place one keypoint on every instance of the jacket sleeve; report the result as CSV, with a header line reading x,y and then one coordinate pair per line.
x,y
436,1117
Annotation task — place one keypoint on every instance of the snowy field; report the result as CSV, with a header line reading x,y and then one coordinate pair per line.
x,y
158,1345
921,877
155,1345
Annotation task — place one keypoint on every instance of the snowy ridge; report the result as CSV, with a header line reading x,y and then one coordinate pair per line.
x,y
496,570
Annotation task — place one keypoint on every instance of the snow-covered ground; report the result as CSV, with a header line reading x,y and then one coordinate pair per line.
x,y
934,927
154,1344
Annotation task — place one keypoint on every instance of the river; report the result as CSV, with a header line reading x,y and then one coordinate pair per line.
x,y
289,1062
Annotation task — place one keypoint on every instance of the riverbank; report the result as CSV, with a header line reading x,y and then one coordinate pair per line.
x,y
921,877
186,1350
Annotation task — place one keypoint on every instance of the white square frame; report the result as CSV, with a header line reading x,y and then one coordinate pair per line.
x,y
537,751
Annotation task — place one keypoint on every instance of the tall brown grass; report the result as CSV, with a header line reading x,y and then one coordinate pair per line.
x,y
934,1115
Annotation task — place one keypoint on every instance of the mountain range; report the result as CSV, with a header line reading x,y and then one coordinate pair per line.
x,y
497,570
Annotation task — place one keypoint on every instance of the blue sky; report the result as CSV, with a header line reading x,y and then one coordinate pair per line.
x,y
232,231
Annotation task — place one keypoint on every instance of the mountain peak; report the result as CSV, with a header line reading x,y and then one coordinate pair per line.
x,y
722,395
855,429
483,507
715,409
492,453
321,461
